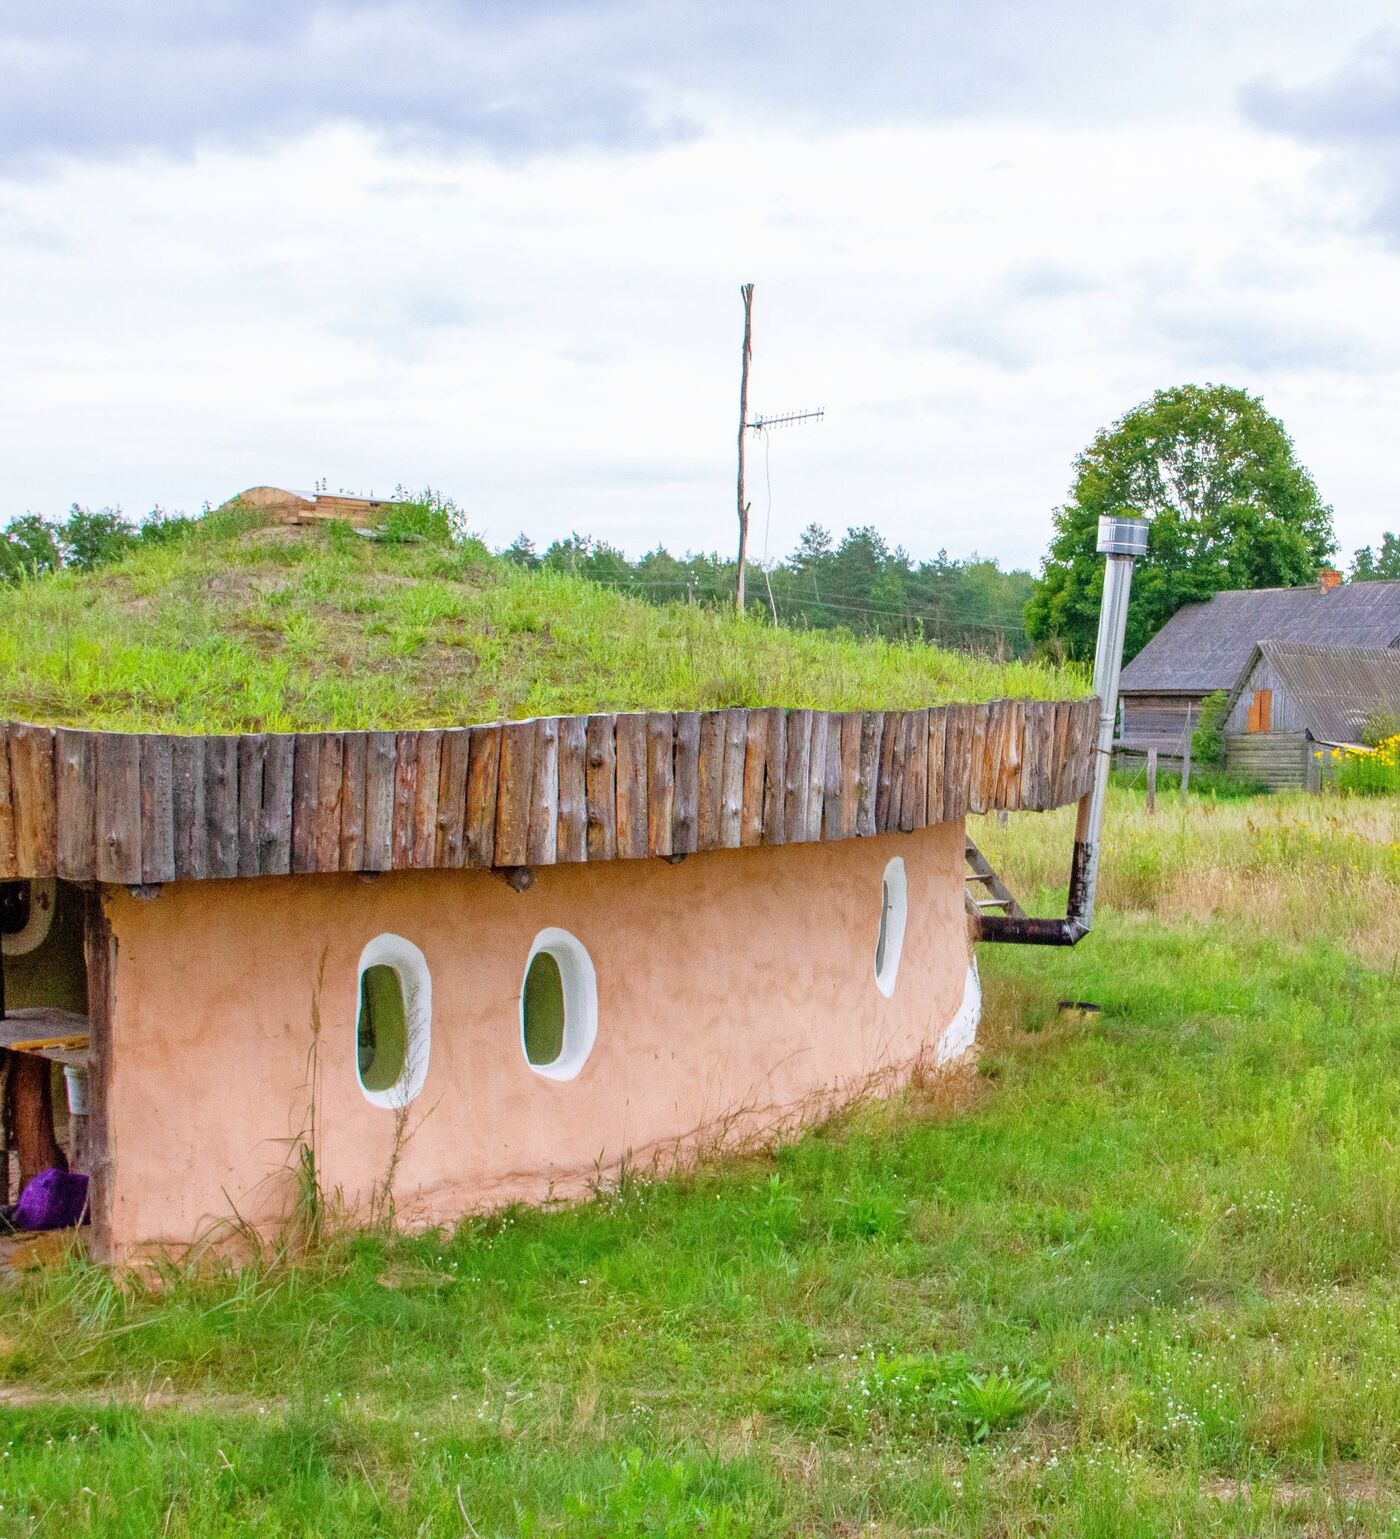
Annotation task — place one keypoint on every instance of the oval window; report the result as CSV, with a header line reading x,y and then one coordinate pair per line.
x,y
393,1024
889,939
382,1037
26,914
558,1005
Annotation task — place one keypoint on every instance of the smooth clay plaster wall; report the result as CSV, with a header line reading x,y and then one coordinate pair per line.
x,y
736,993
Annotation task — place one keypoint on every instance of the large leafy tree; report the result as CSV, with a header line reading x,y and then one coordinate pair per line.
x,y
1368,566
1229,504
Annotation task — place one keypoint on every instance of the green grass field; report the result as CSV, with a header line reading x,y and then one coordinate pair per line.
x,y
229,626
1134,1277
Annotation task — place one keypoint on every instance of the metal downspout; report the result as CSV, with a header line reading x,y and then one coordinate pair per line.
x,y
1122,540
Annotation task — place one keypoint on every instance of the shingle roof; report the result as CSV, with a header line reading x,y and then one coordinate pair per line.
x,y
1334,689
1205,647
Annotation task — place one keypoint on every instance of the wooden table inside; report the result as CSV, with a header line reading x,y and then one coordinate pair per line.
x,y
58,1035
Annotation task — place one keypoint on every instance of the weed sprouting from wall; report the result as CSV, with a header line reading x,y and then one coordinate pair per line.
x,y
309,1213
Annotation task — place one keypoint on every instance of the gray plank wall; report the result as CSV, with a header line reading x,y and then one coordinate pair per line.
x,y
1264,675
1163,722
1280,759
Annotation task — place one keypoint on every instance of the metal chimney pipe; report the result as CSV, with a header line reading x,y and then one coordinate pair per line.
x,y
1122,540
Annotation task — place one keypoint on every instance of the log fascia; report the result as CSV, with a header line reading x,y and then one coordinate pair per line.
x,y
151,807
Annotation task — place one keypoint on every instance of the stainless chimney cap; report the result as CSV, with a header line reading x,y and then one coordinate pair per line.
x,y
1122,536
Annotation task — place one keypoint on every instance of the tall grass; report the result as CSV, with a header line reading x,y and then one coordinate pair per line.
x,y
231,627
1135,1277
1291,866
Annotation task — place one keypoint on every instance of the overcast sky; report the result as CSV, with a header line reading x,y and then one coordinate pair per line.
x,y
494,246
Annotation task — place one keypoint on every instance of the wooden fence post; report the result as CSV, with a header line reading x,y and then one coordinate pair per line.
x,y
1152,780
1186,756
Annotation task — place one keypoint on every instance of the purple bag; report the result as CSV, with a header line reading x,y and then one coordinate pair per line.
x,y
54,1199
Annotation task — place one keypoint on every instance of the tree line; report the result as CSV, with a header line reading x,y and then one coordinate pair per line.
x,y
31,545
861,584
1229,505
1378,566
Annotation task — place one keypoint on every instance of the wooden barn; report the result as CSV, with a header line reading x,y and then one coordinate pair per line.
x,y
1213,646
1294,698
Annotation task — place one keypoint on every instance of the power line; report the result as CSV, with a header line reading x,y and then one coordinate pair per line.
x,y
911,613
853,601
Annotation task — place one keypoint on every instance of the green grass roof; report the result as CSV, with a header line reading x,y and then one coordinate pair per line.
x,y
235,627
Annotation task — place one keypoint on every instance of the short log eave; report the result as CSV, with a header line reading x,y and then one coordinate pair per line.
x,y
142,809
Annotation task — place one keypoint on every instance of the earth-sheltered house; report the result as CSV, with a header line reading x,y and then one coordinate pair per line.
x,y
458,967
492,962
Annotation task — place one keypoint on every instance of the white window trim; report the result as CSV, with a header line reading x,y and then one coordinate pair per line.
x,y
960,1033
414,978
580,986
43,901
897,882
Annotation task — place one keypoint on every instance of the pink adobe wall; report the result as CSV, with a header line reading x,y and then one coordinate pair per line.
x,y
735,989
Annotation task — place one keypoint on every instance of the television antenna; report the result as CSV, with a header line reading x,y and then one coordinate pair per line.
x,y
759,424
763,424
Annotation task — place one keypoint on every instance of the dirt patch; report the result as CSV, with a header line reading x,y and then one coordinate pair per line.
x,y
22,1397
1341,1484
265,640
45,1248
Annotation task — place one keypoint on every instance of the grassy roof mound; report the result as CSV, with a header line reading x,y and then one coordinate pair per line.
x,y
238,627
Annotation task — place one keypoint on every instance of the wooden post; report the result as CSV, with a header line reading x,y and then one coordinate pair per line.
x,y
746,292
1186,758
100,956
1152,780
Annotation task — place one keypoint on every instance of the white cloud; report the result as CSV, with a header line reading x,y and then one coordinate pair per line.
x,y
971,294
1351,111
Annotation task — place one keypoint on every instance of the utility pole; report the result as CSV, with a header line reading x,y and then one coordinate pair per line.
x,y
746,293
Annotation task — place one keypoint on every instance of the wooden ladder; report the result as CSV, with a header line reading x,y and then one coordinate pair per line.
x,y
983,890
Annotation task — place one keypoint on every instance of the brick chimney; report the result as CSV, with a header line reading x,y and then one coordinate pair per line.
x,y
1328,577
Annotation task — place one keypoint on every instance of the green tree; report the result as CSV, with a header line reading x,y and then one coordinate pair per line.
x,y
1230,507
1208,740
1367,566
95,538
585,556
813,550
521,551
28,548
661,577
